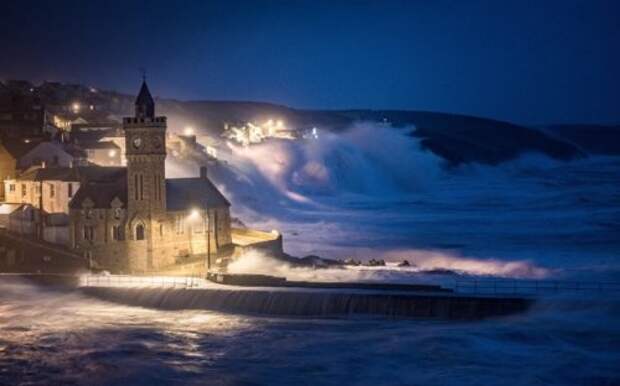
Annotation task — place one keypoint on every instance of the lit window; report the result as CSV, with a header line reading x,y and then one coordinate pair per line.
x,y
179,225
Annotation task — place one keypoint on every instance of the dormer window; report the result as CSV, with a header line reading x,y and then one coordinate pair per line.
x,y
117,213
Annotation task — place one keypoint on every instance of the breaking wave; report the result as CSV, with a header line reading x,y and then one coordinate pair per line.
x,y
373,192
441,265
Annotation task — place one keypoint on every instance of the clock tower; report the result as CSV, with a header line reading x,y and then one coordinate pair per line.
x,y
145,150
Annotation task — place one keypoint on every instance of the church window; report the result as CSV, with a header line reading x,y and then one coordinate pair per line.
x,y
70,190
179,225
117,233
12,187
139,232
161,230
23,190
52,191
89,233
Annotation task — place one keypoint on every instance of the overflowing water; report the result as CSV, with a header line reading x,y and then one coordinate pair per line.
x,y
368,193
49,338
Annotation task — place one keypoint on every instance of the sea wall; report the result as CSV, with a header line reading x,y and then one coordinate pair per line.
x,y
315,303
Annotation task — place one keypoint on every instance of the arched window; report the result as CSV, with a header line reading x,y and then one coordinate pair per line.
x,y
139,232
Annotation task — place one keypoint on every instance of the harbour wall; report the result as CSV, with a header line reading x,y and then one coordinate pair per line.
x,y
316,303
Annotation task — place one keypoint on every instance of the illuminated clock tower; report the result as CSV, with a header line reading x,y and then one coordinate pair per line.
x,y
145,144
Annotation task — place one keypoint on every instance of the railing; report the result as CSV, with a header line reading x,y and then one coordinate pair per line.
x,y
141,281
532,287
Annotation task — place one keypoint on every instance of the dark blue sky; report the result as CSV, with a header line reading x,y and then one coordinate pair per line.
x,y
524,61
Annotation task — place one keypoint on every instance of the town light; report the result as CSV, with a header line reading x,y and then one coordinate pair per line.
x,y
189,131
112,153
194,214
75,107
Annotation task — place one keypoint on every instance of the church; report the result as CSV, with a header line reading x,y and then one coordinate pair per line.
x,y
132,219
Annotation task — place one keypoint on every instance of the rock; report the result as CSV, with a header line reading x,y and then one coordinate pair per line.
x,y
376,263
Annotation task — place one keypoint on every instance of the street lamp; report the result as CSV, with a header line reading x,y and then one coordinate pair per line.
x,y
194,215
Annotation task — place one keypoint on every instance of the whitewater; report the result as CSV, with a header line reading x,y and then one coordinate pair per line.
x,y
369,192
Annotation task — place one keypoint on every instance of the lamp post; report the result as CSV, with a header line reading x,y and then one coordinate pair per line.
x,y
208,231
195,216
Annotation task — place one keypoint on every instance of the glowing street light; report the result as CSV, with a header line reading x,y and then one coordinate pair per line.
x,y
189,131
75,107
194,215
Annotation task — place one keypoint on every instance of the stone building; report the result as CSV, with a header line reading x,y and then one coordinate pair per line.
x,y
141,221
104,153
11,152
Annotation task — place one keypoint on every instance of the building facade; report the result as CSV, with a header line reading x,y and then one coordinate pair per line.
x,y
141,221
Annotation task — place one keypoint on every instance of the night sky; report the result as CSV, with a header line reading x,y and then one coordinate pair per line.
x,y
529,62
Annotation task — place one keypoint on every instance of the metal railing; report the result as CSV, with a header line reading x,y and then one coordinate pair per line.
x,y
532,287
141,281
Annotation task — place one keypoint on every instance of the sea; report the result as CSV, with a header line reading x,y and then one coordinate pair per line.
x,y
371,192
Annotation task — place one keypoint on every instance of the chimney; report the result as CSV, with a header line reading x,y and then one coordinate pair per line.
x,y
203,172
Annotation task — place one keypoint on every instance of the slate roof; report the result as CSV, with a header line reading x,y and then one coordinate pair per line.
x,y
144,96
50,174
18,147
187,193
79,173
100,193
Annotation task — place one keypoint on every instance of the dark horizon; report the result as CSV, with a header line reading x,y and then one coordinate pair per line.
x,y
527,63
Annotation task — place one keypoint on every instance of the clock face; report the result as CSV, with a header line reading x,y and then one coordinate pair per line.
x,y
137,142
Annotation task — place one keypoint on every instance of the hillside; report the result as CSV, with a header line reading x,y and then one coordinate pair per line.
x,y
456,138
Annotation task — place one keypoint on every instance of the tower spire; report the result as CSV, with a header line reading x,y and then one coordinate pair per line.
x,y
145,105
